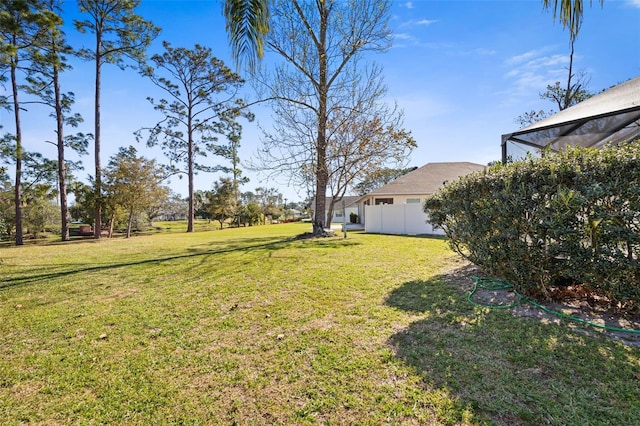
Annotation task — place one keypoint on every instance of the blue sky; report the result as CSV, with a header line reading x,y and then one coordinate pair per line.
x,y
461,70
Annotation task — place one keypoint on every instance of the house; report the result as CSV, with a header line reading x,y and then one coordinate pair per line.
x,y
351,206
396,208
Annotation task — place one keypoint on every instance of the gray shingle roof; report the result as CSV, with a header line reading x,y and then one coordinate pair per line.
x,y
349,200
427,179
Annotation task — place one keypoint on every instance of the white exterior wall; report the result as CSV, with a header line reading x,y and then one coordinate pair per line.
x,y
402,219
339,219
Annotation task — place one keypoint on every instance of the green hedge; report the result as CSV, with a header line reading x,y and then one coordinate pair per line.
x,y
567,218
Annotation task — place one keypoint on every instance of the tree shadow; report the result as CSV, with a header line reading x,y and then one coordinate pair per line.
x,y
213,248
512,370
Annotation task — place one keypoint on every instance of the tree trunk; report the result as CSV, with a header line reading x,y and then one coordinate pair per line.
x,y
18,181
332,205
321,190
190,172
112,220
97,229
62,168
568,93
321,141
129,223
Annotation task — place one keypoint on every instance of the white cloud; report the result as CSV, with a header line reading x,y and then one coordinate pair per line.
x,y
523,57
635,3
426,22
529,73
527,81
550,61
403,36
536,61
408,5
413,22
479,51
403,40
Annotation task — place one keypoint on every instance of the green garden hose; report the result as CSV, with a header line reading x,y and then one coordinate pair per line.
x,y
492,284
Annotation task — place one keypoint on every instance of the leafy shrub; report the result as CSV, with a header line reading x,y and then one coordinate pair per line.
x,y
40,216
4,228
567,218
353,217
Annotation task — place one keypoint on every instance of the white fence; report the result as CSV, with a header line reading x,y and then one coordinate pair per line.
x,y
403,219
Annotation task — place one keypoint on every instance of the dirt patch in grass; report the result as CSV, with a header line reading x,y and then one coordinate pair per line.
x,y
311,235
575,305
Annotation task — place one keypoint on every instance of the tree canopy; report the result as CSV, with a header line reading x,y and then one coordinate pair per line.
x,y
202,104
133,183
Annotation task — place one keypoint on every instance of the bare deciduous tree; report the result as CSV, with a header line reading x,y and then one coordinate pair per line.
x,y
322,77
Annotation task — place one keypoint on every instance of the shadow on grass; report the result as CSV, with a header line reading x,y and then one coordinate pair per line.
x,y
418,236
509,370
247,245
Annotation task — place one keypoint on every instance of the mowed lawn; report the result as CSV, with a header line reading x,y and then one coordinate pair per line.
x,y
251,326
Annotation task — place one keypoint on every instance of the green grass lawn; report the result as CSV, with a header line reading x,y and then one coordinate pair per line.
x,y
252,326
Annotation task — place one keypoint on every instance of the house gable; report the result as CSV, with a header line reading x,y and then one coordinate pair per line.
x,y
425,180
